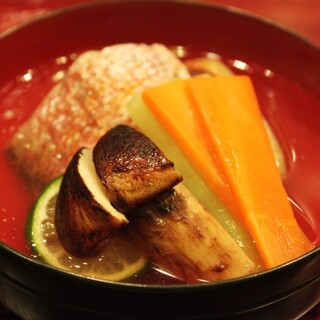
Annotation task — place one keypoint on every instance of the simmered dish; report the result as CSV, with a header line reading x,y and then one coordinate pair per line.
x,y
165,164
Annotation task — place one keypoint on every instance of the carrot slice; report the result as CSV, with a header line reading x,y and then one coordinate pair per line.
x,y
228,112
170,104
143,117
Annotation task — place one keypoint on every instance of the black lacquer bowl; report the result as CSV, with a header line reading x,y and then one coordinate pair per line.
x,y
286,71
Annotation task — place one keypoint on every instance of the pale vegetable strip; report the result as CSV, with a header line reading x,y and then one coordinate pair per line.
x,y
228,111
212,66
276,149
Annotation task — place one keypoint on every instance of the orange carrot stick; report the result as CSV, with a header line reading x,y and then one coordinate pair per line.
x,y
228,112
154,128
172,107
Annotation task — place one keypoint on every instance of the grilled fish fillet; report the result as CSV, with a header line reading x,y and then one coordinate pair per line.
x,y
86,103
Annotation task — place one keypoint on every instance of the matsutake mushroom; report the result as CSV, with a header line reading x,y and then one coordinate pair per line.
x,y
85,219
132,168
127,173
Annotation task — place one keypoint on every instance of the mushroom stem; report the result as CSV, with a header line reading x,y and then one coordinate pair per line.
x,y
184,239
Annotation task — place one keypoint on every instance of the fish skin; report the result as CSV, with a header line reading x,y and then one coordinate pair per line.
x,y
87,102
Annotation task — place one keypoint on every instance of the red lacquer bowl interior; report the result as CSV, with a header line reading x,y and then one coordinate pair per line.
x,y
284,68
291,110
286,83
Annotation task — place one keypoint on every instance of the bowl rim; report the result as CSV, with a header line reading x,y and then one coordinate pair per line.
x,y
51,14
151,287
199,3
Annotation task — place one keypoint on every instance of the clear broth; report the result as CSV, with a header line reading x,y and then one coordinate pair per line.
x,y
291,111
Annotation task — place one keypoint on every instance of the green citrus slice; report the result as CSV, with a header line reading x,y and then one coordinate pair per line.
x,y
120,260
